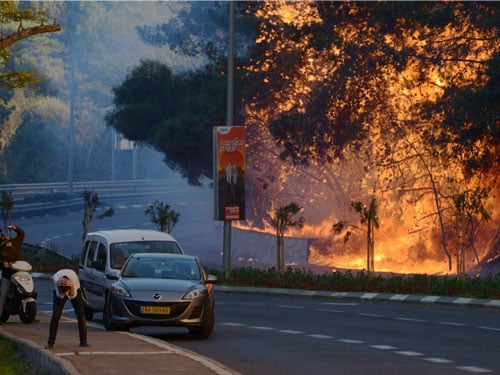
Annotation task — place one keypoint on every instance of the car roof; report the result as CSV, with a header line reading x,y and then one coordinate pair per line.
x,y
124,235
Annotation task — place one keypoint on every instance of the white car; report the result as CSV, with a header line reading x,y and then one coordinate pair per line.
x,y
105,252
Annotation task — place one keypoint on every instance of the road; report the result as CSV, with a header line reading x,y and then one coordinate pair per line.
x,y
256,334
280,335
196,230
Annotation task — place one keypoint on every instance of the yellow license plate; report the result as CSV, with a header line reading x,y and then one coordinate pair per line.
x,y
155,310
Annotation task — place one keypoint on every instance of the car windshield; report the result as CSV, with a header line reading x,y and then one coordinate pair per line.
x,y
119,252
162,268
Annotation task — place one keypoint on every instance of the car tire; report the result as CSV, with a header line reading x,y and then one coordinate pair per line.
x,y
206,328
107,315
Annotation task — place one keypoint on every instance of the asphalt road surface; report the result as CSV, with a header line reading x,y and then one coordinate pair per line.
x,y
256,334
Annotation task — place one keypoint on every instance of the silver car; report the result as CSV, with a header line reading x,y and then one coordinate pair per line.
x,y
162,290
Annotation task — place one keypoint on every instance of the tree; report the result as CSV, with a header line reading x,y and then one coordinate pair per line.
x,y
162,216
90,205
469,211
369,218
282,219
11,14
175,113
6,203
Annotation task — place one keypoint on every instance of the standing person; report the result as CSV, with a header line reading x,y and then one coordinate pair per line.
x,y
67,286
10,251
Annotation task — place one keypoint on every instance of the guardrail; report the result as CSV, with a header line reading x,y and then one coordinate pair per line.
x,y
103,188
108,190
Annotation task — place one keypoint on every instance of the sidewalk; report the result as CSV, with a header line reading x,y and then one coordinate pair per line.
x,y
110,353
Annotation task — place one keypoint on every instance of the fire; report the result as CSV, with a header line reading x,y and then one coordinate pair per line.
x,y
408,239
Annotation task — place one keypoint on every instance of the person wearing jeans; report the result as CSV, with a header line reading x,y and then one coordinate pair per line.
x,y
67,286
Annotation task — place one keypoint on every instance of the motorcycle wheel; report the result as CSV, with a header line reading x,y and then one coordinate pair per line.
x,y
29,313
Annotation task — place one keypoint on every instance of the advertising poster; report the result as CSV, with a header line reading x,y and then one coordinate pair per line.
x,y
229,172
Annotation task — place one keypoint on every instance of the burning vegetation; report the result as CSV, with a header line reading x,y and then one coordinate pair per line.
x,y
393,103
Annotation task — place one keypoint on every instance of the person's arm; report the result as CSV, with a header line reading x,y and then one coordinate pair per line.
x,y
19,233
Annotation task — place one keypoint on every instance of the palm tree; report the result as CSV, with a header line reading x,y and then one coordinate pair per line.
x,y
162,216
283,218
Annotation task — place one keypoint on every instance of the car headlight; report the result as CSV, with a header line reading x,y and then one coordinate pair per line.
x,y
195,294
119,291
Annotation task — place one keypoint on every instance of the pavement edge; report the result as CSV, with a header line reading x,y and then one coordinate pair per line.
x,y
40,357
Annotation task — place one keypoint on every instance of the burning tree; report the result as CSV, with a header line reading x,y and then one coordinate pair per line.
x,y
343,98
383,85
282,219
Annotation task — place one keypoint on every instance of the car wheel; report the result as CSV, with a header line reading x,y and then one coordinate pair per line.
x,y
28,314
108,317
207,326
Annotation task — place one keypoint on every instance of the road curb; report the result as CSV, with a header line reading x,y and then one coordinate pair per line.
x,y
41,358
408,298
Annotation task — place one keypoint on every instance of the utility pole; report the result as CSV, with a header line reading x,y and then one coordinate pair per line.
x,y
226,252
72,94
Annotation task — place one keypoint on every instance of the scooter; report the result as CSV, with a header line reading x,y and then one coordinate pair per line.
x,y
21,297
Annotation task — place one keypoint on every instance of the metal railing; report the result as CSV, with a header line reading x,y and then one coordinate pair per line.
x,y
103,188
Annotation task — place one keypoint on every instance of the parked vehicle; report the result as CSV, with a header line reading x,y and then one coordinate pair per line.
x,y
162,290
106,251
22,294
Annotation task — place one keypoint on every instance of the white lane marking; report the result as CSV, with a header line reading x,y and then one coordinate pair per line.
x,y
290,307
113,353
291,331
411,319
319,336
437,360
490,328
370,315
409,353
383,347
232,324
262,328
477,370
350,341
453,324
330,310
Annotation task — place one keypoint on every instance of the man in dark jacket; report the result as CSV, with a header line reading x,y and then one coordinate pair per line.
x,y
10,251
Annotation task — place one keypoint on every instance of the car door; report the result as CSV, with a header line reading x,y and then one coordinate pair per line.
x,y
87,276
98,276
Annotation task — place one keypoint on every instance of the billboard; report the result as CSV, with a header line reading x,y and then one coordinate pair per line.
x,y
229,173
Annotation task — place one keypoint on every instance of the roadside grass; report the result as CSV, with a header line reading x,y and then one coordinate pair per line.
x,y
12,361
47,260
